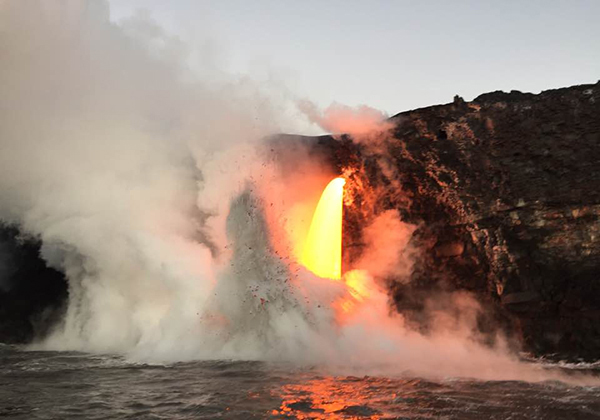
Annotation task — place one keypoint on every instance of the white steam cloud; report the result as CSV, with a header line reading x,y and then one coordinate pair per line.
x,y
363,123
114,155
147,189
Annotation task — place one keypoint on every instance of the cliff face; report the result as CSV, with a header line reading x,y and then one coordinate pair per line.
x,y
505,191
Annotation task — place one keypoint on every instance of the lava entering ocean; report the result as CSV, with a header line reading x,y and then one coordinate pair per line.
x,y
180,224
322,252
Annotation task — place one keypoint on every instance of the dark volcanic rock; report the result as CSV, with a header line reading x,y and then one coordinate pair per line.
x,y
32,295
505,191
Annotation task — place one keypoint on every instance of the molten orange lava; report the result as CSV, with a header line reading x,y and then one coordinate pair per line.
x,y
322,253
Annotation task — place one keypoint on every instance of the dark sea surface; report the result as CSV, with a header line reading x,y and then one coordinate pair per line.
x,y
59,385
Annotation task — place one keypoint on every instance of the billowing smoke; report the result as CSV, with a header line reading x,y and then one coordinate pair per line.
x,y
363,123
387,247
151,190
109,146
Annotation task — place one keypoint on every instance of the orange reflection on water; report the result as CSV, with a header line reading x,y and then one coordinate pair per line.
x,y
328,398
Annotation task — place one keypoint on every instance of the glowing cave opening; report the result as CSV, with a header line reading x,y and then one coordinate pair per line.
x,y
322,252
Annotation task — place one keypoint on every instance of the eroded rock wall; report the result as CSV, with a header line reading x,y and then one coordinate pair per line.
x,y
505,191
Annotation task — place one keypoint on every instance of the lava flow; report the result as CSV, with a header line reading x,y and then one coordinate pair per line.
x,y
322,253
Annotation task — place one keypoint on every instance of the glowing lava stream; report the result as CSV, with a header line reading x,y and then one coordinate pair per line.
x,y
322,252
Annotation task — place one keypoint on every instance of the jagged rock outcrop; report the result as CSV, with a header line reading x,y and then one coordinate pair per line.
x,y
505,191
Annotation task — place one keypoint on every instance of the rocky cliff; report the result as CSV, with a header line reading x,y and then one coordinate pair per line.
x,y
505,191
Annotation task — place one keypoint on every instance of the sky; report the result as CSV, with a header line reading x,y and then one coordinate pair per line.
x,y
390,55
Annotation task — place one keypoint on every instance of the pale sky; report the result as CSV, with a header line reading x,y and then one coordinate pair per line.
x,y
392,55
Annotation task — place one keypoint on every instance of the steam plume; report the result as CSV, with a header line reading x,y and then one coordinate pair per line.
x,y
363,123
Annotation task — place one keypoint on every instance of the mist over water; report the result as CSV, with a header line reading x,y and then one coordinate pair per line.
x,y
115,155
153,191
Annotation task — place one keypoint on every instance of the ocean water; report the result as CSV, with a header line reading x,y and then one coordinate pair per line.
x,y
59,385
